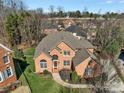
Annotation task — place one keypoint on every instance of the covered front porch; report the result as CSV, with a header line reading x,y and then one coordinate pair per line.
x,y
55,64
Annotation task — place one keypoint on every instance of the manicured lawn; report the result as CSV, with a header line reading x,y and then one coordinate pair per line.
x,y
40,84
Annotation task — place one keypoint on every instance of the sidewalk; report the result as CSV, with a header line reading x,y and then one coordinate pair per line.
x,y
58,79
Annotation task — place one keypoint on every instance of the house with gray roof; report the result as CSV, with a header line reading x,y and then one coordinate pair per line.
x,y
76,29
63,50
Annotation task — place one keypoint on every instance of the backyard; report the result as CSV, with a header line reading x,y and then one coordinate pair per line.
x,y
38,83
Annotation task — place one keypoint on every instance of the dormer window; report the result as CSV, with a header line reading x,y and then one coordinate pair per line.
x,y
66,53
6,59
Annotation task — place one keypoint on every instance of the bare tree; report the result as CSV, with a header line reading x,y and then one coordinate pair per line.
x,y
39,11
60,11
51,9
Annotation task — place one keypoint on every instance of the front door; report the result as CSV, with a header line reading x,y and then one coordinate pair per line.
x,y
55,67
55,64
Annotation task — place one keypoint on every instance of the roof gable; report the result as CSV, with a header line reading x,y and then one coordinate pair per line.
x,y
4,47
53,39
56,47
80,56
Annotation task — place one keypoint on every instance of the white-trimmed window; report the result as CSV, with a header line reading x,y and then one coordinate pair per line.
x,y
43,64
9,71
1,77
89,71
6,59
66,53
66,62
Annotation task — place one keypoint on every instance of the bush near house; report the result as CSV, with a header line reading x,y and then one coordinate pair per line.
x,y
46,72
18,53
65,74
74,77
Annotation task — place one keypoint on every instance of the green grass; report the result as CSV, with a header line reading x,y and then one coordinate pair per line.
x,y
42,85
39,84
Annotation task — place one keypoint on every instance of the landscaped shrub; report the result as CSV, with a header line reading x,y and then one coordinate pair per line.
x,y
65,74
74,77
19,54
46,72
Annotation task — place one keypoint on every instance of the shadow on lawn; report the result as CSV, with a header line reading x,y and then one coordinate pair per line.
x,y
20,66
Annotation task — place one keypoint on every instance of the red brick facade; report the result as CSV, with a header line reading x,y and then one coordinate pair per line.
x,y
59,51
3,66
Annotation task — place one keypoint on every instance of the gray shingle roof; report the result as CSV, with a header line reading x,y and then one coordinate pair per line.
x,y
76,29
53,39
80,56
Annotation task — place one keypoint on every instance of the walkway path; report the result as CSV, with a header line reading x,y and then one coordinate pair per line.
x,y
58,79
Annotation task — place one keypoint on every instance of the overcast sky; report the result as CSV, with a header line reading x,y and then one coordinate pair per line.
x,y
70,5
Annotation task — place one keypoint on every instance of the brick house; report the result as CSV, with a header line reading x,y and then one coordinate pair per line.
x,y
7,70
68,22
62,50
76,29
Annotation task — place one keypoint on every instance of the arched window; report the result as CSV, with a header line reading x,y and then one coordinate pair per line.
x,y
55,57
43,64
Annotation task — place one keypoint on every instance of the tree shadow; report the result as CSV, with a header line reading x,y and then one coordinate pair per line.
x,y
20,66
121,56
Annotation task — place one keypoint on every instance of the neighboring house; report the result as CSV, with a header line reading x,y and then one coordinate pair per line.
x,y
62,50
80,32
76,29
68,22
7,70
